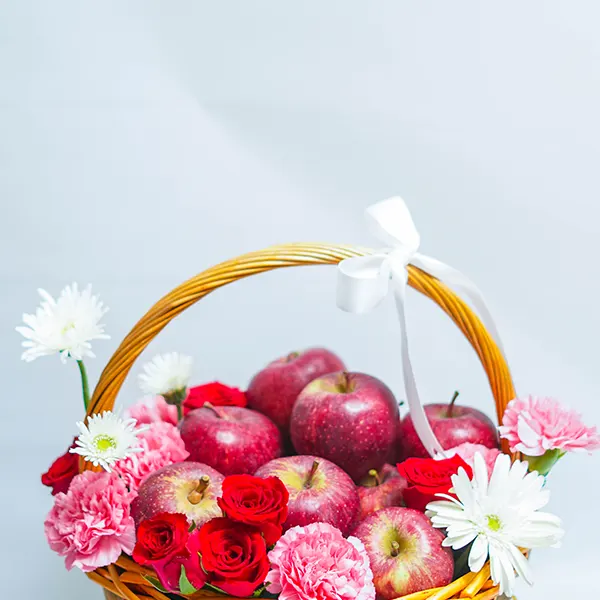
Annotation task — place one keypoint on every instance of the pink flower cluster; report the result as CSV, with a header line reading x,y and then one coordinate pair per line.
x,y
152,410
467,452
91,525
534,425
161,446
316,561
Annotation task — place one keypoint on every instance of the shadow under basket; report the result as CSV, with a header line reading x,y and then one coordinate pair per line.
x,y
125,579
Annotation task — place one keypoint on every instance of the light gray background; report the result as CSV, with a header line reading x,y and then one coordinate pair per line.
x,y
143,142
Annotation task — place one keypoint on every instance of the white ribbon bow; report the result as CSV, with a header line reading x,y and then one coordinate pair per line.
x,y
364,281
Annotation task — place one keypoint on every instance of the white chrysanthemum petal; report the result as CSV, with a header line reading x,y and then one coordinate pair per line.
x,y
499,475
478,553
463,488
499,515
106,439
520,563
480,473
64,326
166,373
459,541
502,570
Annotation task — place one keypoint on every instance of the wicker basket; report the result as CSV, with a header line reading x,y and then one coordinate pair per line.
x,y
125,579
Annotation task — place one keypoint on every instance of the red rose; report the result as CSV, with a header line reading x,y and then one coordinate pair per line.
x,y
214,393
161,538
427,477
61,472
169,571
164,543
234,556
256,501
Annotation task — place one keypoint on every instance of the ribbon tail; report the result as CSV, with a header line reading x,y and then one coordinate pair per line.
x,y
455,279
417,412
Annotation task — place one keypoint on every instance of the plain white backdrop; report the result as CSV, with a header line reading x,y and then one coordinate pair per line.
x,y
143,142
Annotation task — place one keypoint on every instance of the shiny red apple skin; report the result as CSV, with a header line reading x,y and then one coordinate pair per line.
x,y
330,498
385,491
274,390
347,418
467,424
230,439
167,490
421,563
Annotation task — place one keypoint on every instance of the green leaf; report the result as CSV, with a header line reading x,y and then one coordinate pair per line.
x,y
258,591
185,587
155,583
214,588
192,527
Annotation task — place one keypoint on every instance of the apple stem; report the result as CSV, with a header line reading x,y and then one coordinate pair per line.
x,y
451,405
199,488
395,548
213,408
375,475
311,474
343,383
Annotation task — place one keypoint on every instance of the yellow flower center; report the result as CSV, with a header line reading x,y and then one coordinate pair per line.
x,y
494,522
68,327
104,443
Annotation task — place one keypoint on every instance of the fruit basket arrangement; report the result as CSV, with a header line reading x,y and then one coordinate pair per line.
x,y
309,484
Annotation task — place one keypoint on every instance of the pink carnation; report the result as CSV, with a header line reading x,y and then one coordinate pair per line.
x,y
90,525
533,425
153,410
316,561
161,446
467,452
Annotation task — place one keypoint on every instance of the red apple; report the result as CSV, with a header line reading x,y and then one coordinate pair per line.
x,y
274,390
405,552
347,418
318,489
231,439
380,490
189,488
452,425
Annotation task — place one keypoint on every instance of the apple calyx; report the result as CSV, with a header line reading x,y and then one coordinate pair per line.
x,y
311,474
200,485
395,549
451,405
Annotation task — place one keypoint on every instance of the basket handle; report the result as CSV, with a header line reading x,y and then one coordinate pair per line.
x,y
292,255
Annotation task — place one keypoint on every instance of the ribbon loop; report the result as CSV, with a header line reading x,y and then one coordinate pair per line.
x,y
363,282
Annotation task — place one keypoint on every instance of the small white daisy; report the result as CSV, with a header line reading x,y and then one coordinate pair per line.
x,y
499,514
106,439
66,325
166,373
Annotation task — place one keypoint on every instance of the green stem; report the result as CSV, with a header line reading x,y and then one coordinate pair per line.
x,y
179,412
84,383
543,464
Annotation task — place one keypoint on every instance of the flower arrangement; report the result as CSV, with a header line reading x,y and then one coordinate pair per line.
x,y
311,485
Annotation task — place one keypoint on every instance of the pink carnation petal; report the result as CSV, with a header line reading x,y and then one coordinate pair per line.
x,y
91,524
162,445
316,561
534,425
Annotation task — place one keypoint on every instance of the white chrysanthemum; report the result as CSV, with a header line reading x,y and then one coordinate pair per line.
x,y
66,325
166,373
106,439
499,516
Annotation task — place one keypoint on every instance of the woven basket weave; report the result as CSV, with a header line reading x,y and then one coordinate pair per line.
x,y
125,579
